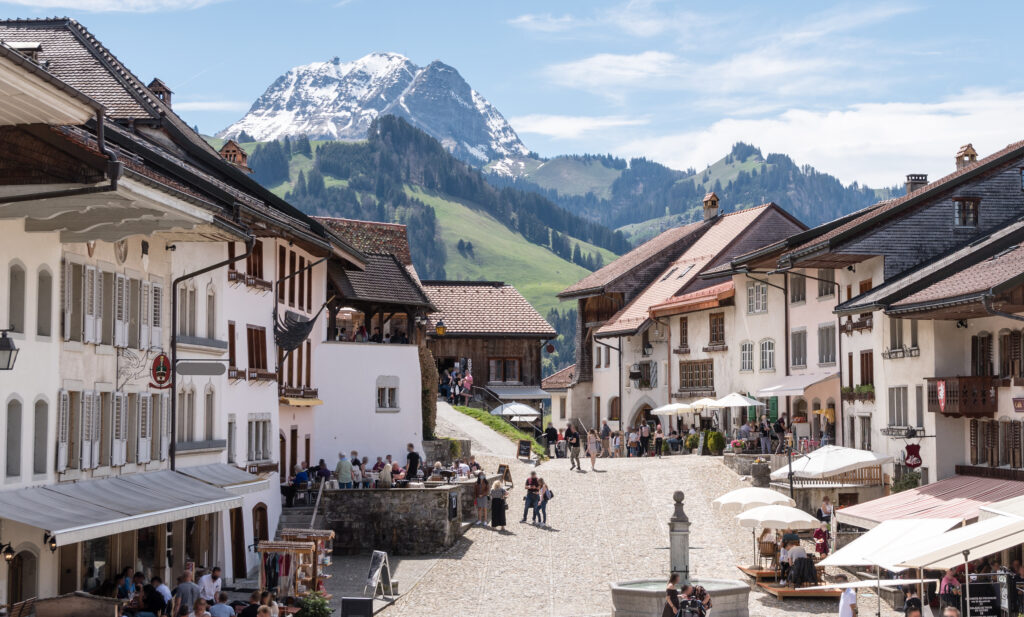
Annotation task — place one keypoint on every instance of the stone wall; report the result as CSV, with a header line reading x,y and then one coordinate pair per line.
x,y
399,521
440,450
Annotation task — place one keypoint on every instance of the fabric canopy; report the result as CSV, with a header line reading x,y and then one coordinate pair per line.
x,y
750,497
673,409
510,393
74,512
228,477
514,409
978,540
957,497
794,385
703,403
300,402
894,582
736,400
777,517
889,538
829,461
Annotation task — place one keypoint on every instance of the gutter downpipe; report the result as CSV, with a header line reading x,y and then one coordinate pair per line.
x,y
986,303
249,244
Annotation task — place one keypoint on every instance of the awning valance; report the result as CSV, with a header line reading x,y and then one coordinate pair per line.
x,y
795,385
228,477
974,541
958,497
511,393
888,538
74,512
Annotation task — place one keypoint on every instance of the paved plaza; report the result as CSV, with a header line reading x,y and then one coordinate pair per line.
x,y
608,525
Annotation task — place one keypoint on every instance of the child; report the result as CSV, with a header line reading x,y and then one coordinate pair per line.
x,y
617,444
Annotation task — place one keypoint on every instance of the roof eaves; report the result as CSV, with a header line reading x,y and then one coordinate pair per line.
x,y
19,59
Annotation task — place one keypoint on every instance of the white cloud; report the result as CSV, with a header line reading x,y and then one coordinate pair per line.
x,y
211,106
873,143
570,127
127,6
545,22
606,72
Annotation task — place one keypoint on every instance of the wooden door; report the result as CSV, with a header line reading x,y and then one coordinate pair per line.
x,y
282,459
238,566
260,526
293,459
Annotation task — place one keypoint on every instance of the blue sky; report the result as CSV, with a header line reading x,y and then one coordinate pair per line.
x,y
865,91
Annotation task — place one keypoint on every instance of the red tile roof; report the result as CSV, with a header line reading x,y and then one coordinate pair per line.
x,y
560,380
694,300
484,309
980,277
372,237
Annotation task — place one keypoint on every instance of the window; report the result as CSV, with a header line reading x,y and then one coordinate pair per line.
x,y
757,297
981,355
898,413
309,363
210,418
716,323
607,357
73,299
44,305
186,416
561,408
16,301
309,290
697,375
798,347
107,284
684,333
387,393
254,262
135,313
291,282
645,343
826,283
187,312
504,369
13,468
232,358
211,313
256,338
282,255
913,334
797,288
895,333
302,283
747,356
768,355
231,439
39,439
965,211
231,255
597,355
919,406
258,448
867,368
827,344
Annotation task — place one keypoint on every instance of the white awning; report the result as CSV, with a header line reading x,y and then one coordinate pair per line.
x,y
74,512
794,385
228,477
830,461
977,540
512,393
889,537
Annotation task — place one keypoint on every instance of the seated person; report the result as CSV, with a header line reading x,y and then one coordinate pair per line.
x,y
379,464
473,465
464,468
435,473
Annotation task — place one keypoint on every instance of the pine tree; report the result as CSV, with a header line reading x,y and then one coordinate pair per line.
x,y
315,183
460,246
302,146
577,256
300,185
245,138
287,146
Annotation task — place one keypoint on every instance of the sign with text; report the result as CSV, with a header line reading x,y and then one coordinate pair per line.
x,y
1018,405
504,474
989,595
523,451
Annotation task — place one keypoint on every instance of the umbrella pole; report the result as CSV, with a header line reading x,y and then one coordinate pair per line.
x,y
878,590
967,587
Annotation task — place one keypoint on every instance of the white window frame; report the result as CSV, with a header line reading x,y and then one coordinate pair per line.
x,y
757,297
799,359
767,349
747,356
826,344
387,394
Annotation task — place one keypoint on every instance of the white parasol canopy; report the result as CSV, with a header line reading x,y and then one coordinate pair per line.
x,y
703,403
829,461
895,582
881,545
777,517
672,409
736,400
750,497
514,409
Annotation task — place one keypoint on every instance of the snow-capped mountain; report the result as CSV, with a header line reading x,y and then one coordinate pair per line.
x,y
339,100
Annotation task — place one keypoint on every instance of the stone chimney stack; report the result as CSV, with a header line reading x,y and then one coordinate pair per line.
x,y
965,156
710,206
160,91
916,181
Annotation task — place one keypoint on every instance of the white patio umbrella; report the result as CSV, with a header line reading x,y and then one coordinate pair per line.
x,y
672,409
736,399
775,517
743,499
514,409
829,461
703,403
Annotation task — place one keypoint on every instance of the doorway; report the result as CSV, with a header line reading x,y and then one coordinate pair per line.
x,y
238,566
282,459
293,444
260,527
22,578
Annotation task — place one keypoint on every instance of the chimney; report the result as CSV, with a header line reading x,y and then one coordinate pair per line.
x,y
160,91
234,154
710,206
965,156
916,181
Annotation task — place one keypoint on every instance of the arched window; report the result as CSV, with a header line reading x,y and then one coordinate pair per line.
x,y
211,313
209,417
44,305
260,528
767,355
746,356
39,440
16,301
13,438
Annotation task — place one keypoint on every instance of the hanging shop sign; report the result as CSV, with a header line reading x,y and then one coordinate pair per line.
x,y
912,458
161,372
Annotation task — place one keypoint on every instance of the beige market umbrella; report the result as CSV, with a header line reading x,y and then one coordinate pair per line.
x,y
744,499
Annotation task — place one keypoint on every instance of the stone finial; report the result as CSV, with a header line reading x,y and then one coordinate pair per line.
x,y
679,515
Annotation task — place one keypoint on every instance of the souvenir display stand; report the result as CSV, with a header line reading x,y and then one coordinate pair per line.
x,y
323,540
287,568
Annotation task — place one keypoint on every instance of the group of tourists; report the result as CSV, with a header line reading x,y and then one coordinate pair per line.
x,y
362,335
685,600
638,441
353,472
456,387
153,598
495,499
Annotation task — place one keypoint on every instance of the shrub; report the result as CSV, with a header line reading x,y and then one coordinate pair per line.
x,y
908,480
692,441
498,424
314,605
715,441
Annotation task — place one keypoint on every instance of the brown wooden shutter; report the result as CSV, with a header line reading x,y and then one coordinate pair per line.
x,y
1015,359
1015,444
992,440
974,442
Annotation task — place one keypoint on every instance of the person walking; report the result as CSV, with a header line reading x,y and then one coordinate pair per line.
x,y
780,433
645,438
659,439
532,497
606,440
480,490
572,437
592,445
634,442
671,597
498,505
765,428
209,585
617,444
551,434
540,513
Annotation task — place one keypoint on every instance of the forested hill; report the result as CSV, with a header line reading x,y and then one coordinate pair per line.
x,y
644,197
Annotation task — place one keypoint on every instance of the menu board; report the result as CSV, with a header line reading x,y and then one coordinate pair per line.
x,y
378,569
524,449
504,474
989,596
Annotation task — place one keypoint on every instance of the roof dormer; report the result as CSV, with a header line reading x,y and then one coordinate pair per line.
x,y
965,156
161,91
234,154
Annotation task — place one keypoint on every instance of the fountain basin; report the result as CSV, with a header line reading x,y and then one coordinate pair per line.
x,y
646,597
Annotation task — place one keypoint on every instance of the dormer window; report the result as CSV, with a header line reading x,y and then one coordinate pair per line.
x,y
965,211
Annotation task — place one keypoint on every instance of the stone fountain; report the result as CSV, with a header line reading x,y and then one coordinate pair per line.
x,y
646,598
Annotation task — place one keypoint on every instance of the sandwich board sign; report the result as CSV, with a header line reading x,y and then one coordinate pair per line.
x,y
379,576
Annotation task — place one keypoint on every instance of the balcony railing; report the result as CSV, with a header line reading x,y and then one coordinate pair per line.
x,y
259,374
851,326
236,374
252,281
299,392
234,276
974,397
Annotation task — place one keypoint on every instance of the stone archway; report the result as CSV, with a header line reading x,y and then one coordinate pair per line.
x,y
642,412
23,577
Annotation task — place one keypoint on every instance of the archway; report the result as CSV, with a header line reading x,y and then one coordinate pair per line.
x,y
22,577
642,413
260,527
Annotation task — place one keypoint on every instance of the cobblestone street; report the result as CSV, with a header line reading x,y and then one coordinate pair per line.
x,y
608,525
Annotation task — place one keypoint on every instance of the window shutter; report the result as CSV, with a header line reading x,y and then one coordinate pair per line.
x,y
165,429
89,300
992,440
85,430
654,374
144,316
97,425
66,296
892,406
773,408
144,427
119,445
156,315
1015,444
1015,359
63,428
99,300
974,442
120,311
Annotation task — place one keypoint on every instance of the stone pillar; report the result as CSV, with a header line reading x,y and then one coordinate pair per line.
x,y
679,539
760,474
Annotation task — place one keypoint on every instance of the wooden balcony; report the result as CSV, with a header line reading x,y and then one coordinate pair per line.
x,y
258,374
300,392
971,397
260,284
863,324
234,276
236,374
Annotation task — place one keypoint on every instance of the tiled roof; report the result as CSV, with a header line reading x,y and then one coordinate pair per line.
x,y
687,301
384,281
484,308
723,231
372,237
884,209
975,279
622,266
560,380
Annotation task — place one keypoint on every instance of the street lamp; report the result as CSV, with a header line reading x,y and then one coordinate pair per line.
x,y
440,328
8,352
8,554
50,542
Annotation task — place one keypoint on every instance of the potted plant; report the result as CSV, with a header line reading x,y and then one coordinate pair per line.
x,y
715,442
692,441
314,605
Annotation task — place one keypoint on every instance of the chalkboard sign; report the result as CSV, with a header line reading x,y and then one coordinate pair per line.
x,y
504,474
380,573
524,449
453,505
988,596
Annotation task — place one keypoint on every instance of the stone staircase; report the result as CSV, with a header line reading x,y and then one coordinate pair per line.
x,y
296,517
